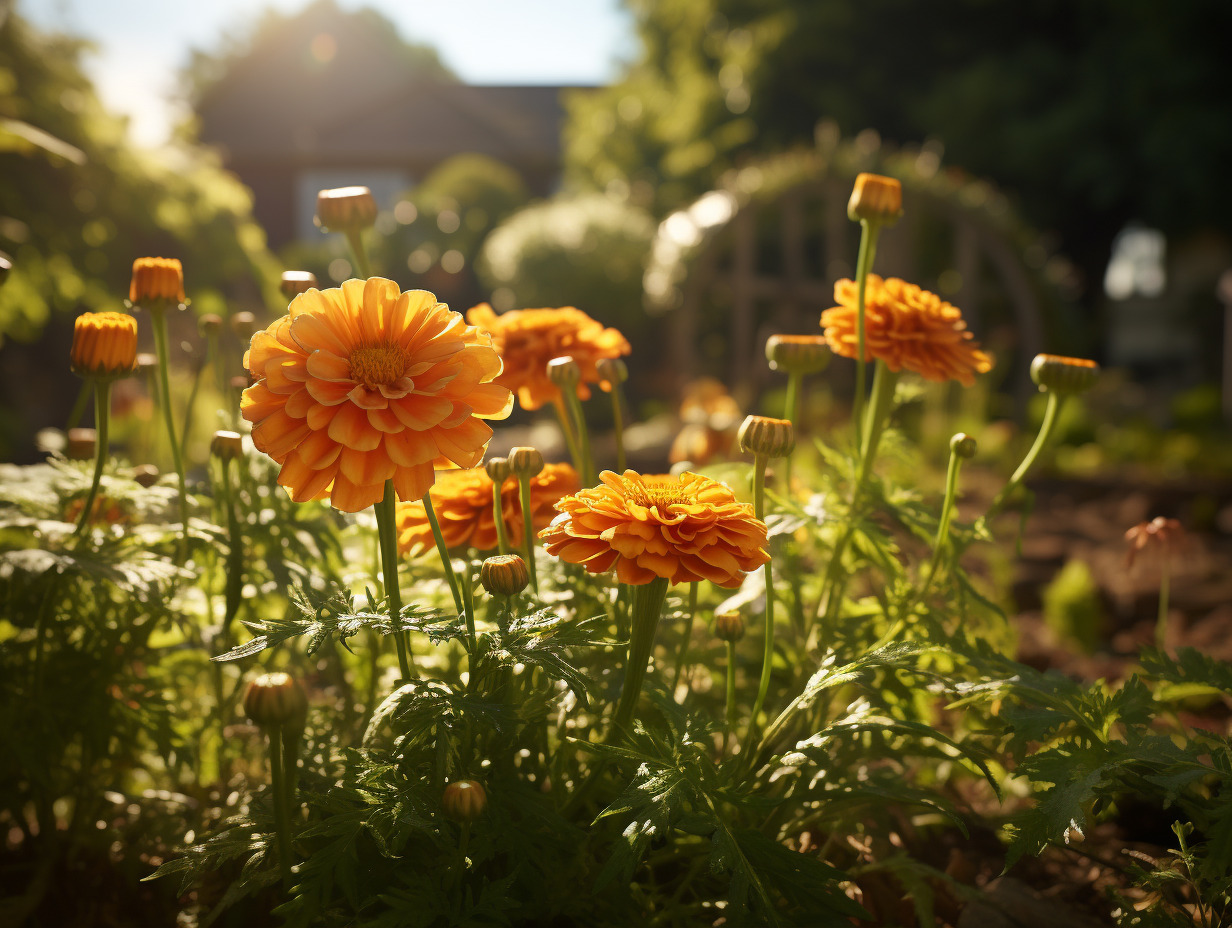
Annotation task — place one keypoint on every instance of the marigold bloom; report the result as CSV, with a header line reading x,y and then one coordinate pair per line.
x,y
905,327
156,279
527,339
104,509
360,384
104,345
462,500
684,528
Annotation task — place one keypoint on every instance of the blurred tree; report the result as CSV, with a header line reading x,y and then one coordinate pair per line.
x,y
1094,113
79,203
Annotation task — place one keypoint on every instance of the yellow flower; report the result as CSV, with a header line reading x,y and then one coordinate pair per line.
x,y
684,529
104,345
360,384
156,279
462,500
905,327
527,339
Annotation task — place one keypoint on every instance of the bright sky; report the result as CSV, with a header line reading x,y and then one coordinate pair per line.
x,y
143,43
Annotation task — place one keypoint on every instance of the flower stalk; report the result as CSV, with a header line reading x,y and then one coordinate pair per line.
x,y
528,529
870,231
759,509
102,419
158,319
688,635
441,549
1047,427
386,526
647,610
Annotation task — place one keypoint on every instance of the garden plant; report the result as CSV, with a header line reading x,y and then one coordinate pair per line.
x,y
354,670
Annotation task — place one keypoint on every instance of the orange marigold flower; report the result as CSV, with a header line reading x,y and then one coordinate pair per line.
x,y
684,528
527,339
156,279
360,384
104,509
462,500
905,327
104,345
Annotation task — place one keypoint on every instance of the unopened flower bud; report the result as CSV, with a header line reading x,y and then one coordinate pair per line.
x,y
770,438
612,371
498,470
147,362
227,446
1058,374
464,800
6,265
875,199
525,462
274,700
146,475
963,445
243,324
345,209
209,324
565,373
81,444
504,575
296,282
729,626
155,280
797,354
104,345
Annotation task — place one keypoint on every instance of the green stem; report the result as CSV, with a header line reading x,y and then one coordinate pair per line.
x,y
566,426
647,610
1161,620
943,528
688,634
444,553
355,240
387,533
731,696
528,530
792,413
190,409
102,418
235,554
759,508
583,432
277,791
498,516
1047,427
158,318
869,232
79,405
618,426
468,602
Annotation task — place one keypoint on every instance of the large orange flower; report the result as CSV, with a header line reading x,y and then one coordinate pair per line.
x,y
462,500
682,528
905,327
360,384
527,339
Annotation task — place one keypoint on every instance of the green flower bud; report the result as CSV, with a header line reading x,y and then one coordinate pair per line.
x,y
464,800
504,575
963,445
525,462
771,438
729,626
345,209
1058,374
275,700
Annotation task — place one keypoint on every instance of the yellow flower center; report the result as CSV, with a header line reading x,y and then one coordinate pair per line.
x,y
655,494
378,365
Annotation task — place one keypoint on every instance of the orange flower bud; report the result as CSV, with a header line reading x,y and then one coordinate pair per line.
x,y
729,626
771,438
612,371
504,575
146,475
564,373
156,279
797,354
464,800
875,199
498,469
1057,374
104,345
525,462
345,209
296,282
275,700
244,324
963,445
81,444
227,446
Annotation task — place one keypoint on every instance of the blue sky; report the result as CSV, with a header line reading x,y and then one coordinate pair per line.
x,y
142,43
